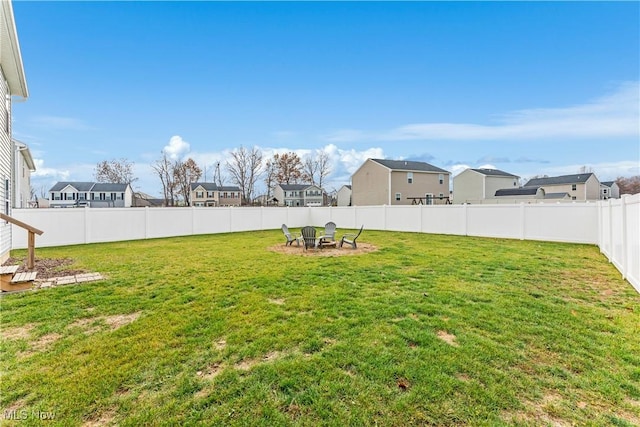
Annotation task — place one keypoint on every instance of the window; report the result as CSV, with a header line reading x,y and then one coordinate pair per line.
x,y
573,187
573,197
409,177
113,196
428,199
604,191
441,179
6,196
209,194
199,194
398,196
103,196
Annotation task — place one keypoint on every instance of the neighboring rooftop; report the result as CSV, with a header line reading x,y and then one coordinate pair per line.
x,y
494,172
580,178
409,165
522,191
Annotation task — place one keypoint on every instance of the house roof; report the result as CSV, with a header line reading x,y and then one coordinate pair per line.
x,y
522,191
580,178
89,186
80,186
229,188
295,187
109,187
208,186
10,57
408,165
494,172
608,183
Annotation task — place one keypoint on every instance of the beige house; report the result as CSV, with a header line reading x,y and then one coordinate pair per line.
x,y
399,182
299,195
343,197
12,83
23,165
476,185
208,194
580,187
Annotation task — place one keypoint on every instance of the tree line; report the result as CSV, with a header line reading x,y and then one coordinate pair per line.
x,y
244,168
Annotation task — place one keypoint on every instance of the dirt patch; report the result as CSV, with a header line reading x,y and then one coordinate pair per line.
x,y
120,320
538,412
276,301
47,268
104,419
88,325
18,333
448,338
15,406
246,365
210,372
45,341
220,345
362,248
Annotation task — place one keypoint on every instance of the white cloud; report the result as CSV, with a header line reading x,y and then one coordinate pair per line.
x,y
611,116
49,173
176,148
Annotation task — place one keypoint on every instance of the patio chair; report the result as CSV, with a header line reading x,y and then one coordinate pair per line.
x,y
289,237
329,236
350,239
308,237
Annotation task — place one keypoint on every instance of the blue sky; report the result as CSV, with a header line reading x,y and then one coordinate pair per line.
x,y
529,88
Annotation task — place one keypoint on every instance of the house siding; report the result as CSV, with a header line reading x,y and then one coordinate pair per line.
x,y
495,183
370,185
5,168
343,198
470,186
423,183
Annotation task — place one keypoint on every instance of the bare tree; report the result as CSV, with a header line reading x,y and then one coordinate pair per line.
x,y
184,174
164,169
324,167
218,179
629,185
270,170
289,169
117,171
244,170
310,169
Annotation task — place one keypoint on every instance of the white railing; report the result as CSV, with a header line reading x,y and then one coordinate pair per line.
x,y
613,225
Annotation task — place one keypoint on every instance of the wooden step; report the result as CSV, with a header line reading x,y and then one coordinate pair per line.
x,y
12,281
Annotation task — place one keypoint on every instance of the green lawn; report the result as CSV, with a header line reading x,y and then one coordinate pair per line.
x,y
427,330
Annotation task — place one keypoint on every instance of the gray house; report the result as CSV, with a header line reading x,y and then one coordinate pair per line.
x,y
298,195
477,185
609,190
90,194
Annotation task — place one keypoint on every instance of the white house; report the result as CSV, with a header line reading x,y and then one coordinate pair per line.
x,y
476,185
23,165
90,194
298,195
609,190
343,197
206,194
12,83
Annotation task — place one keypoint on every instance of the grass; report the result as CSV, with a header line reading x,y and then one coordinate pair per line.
x,y
428,330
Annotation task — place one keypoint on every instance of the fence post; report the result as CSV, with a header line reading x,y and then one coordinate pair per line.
x,y
522,221
625,252
465,213
146,222
86,224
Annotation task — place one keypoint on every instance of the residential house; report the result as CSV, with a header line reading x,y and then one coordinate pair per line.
x,y
23,165
12,83
141,200
609,190
581,187
398,182
90,194
208,194
476,185
520,194
298,195
344,196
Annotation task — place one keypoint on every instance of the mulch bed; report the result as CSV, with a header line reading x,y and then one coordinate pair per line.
x,y
47,268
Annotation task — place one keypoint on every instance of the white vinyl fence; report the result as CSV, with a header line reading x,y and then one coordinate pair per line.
x,y
613,225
